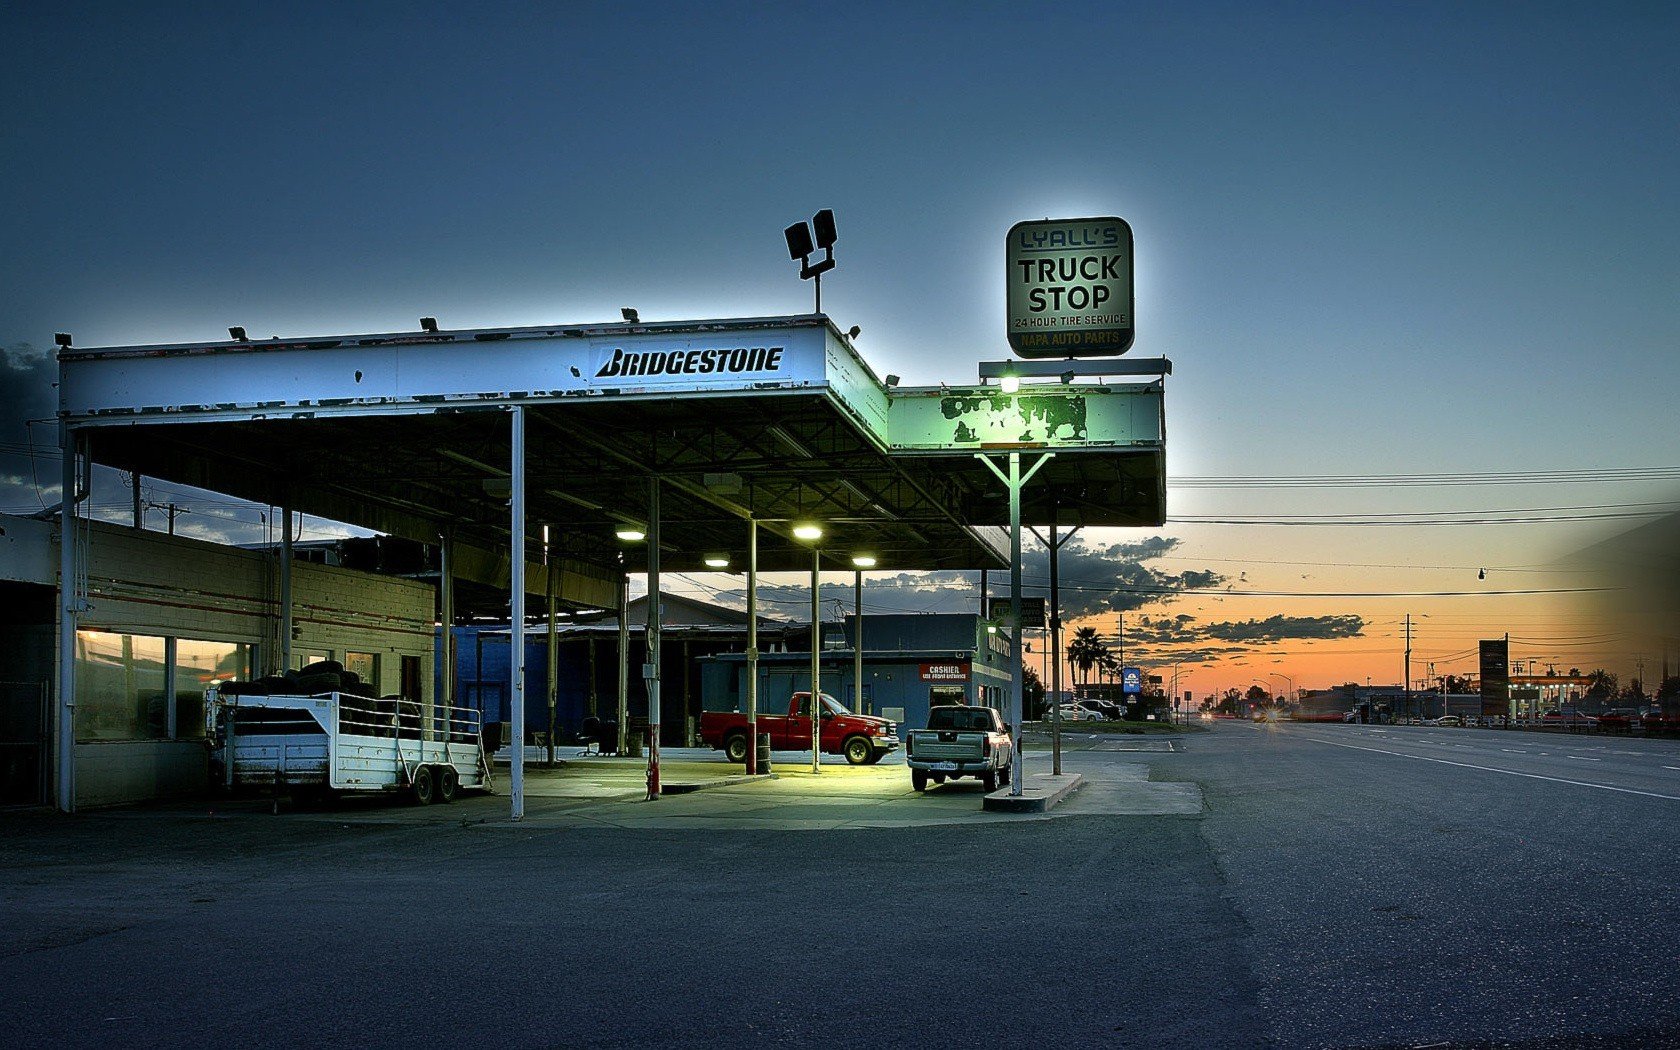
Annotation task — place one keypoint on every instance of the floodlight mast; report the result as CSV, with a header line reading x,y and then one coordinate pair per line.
x,y
801,244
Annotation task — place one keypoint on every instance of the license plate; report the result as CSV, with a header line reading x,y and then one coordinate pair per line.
x,y
945,767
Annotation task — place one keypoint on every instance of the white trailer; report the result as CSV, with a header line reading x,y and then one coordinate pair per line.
x,y
330,742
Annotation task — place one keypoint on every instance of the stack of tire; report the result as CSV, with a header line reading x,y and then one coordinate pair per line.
x,y
323,676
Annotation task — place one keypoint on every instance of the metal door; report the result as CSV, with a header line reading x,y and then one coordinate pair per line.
x,y
23,743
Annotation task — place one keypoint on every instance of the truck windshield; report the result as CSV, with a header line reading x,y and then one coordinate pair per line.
x,y
966,718
833,706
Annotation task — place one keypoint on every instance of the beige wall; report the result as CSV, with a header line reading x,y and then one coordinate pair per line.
x,y
154,584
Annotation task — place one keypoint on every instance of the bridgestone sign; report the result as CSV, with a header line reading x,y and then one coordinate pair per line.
x,y
1070,287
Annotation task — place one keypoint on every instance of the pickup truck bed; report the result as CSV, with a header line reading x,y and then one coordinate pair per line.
x,y
960,741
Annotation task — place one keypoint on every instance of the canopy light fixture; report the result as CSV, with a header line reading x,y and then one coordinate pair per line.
x,y
1009,384
808,531
630,533
629,313
717,561
853,332
893,381
238,334
864,561
428,324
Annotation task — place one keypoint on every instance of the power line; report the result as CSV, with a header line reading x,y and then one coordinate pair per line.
x,y
1502,477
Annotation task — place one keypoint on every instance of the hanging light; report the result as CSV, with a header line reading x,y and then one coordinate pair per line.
x,y
808,530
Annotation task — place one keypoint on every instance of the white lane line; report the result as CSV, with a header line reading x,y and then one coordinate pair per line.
x,y
1671,767
1495,769
1513,750
1578,758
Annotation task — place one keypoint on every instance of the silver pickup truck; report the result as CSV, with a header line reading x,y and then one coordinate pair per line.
x,y
960,742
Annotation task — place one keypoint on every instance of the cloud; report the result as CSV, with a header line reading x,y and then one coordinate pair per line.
x,y
27,374
1278,628
1094,579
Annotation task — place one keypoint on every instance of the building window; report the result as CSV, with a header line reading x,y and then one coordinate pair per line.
x,y
197,666
121,687
302,658
366,666
142,687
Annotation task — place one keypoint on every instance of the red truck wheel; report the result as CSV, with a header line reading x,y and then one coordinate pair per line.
x,y
857,750
735,748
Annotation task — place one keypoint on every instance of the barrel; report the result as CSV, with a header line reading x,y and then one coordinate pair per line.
x,y
764,752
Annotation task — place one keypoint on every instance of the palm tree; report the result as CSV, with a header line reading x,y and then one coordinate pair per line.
x,y
1085,650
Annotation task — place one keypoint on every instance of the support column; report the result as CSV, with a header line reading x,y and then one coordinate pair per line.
x,y
857,640
69,610
623,661
752,647
516,606
445,690
650,671
139,511
1055,647
285,589
553,641
816,661
1015,481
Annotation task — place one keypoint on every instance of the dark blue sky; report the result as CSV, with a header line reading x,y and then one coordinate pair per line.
x,y
1373,237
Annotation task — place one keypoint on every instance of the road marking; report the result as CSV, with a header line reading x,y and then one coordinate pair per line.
x,y
1671,767
1513,750
1495,769
1578,758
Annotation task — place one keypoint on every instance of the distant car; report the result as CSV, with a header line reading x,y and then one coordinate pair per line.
x,y
1103,709
1075,713
1448,720
1620,719
1350,716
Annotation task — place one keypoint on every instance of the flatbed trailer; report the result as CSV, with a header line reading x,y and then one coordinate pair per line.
x,y
339,742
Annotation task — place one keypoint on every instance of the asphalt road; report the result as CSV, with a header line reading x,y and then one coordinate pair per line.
x,y
1342,886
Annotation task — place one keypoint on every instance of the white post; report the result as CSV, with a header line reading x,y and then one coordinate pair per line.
x,y
443,693
516,596
553,640
286,589
857,640
816,662
650,672
752,647
623,661
69,609
1015,481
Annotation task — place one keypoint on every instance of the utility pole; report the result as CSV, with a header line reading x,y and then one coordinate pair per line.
x,y
1408,679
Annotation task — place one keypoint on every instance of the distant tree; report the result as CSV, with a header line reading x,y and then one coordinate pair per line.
x,y
1633,692
1230,702
1601,685
1032,690
1256,695
1669,689
1454,683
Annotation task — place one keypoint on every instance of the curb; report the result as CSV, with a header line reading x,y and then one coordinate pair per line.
x,y
1038,794
688,789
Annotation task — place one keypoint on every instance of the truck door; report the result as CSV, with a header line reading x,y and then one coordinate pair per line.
x,y
799,723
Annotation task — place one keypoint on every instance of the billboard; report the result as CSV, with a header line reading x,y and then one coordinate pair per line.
x,y
1069,287
1131,681
1496,677
1059,418
1032,612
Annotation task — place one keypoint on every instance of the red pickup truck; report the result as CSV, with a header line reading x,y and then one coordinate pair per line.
x,y
863,739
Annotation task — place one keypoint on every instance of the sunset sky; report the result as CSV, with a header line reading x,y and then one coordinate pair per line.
x,y
1375,239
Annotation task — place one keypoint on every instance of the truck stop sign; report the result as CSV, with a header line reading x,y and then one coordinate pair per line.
x,y
1070,287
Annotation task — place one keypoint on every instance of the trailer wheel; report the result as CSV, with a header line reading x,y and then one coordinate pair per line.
x,y
735,748
420,788
857,750
918,779
448,783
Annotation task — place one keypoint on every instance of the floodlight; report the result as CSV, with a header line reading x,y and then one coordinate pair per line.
x,y
62,339
799,241
808,531
853,331
717,561
1481,574
1009,384
893,381
631,315
864,561
238,334
630,533
428,324
1067,377
823,221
